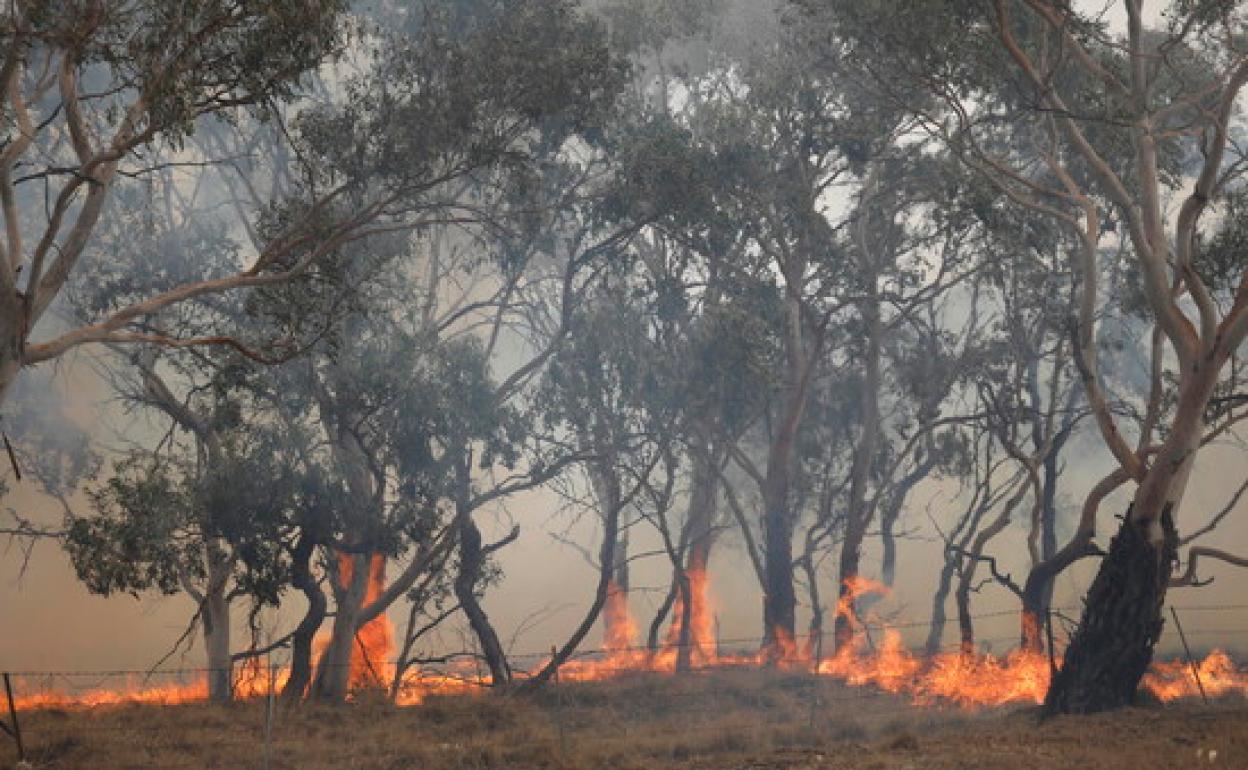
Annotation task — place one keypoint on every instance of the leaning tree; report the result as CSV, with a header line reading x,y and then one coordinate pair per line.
x,y
1121,133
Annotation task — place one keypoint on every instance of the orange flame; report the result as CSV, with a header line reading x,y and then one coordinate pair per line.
x,y
374,649
968,680
701,620
619,630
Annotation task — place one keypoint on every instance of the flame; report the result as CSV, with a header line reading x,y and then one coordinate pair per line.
x,y
619,630
374,647
968,680
702,646
1175,679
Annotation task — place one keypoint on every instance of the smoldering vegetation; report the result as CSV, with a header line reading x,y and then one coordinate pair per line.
x,y
802,347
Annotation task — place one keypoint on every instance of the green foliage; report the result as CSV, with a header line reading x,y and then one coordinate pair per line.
x,y
191,58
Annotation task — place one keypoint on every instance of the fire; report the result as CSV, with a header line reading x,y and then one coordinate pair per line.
x,y
882,661
374,649
619,630
702,647
1175,679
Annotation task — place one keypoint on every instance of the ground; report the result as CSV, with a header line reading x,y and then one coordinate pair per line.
x,y
728,720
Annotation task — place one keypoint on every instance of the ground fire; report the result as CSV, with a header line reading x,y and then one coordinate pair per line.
x,y
879,660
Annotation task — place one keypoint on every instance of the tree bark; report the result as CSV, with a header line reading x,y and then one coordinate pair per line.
x,y
860,510
780,599
700,520
1121,623
305,633
333,675
216,620
937,628
471,560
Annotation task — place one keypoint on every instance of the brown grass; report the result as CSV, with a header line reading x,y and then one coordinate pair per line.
x,y
729,719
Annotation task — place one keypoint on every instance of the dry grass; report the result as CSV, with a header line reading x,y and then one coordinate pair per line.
x,y
729,719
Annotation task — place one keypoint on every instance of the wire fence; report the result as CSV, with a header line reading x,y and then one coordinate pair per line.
x,y
593,703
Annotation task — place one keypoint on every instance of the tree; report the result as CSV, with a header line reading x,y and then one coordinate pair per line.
x,y
89,86
1109,117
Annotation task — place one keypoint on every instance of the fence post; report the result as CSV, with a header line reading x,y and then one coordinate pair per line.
x,y
1190,660
17,728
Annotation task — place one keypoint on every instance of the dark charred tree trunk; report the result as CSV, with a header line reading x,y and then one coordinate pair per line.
x,y
471,560
937,628
814,639
301,640
616,621
700,522
606,557
1121,623
780,600
660,615
851,557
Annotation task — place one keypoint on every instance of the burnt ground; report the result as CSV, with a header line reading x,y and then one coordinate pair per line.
x,y
728,720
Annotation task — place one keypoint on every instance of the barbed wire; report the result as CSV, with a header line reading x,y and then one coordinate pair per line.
x,y
723,647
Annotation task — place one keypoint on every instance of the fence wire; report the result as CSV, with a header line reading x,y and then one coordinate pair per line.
x,y
701,711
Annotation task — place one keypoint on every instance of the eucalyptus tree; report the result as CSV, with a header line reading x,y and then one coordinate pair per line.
x,y
1102,119
605,389
91,90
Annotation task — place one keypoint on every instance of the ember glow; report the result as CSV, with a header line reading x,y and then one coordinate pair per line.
x,y
881,661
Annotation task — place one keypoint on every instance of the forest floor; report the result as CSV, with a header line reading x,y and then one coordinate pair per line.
x,y
727,720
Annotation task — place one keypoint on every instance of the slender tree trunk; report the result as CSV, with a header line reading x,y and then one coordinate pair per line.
x,y
701,532
470,564
848,571
617,624
860,510
814,639
779,596
606,558
305,633
937,628
660,615
780,599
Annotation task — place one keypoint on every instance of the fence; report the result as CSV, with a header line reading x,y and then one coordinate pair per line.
x,y
602,705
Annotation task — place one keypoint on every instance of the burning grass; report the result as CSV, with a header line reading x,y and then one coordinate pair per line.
x,y
730,718
958,678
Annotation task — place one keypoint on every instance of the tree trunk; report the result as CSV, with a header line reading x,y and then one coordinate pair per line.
x,y
216,619
937,628
851,556
690,641
470,563
660,615
1121,623
333,676
814,639
606,557
617,623
780,599
305,633
860,510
